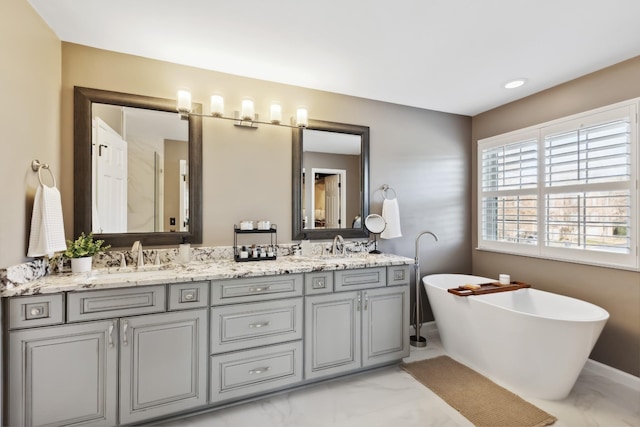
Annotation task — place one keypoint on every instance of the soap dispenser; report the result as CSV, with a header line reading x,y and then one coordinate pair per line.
x,y
306,249
184,251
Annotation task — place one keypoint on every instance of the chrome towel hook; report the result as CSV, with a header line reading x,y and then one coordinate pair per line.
x,y
36,166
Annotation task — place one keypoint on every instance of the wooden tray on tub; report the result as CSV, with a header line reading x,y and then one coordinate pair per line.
x,y
488,288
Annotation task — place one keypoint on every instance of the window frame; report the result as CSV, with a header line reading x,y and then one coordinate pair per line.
x,y
538,132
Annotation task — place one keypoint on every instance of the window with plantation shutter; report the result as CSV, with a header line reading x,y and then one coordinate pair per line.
x,y
509,191
588,185
564,190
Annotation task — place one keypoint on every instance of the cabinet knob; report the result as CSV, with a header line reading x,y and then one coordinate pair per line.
x,y
259,370
37,311
319,283
189,296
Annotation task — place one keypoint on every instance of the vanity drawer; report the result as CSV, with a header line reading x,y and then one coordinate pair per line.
x,y
361,278
236,327
249,372
183,296
318,283
109,303
256,289
42,310
398,275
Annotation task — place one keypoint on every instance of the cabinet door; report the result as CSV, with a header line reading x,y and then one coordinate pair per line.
x,y
63,375
332,334
385,325
163,362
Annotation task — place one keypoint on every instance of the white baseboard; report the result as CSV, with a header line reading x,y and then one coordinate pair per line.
x,y
616,375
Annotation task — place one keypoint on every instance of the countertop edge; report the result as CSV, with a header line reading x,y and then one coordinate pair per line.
x,y
196,271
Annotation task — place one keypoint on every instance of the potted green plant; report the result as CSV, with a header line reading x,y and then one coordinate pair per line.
x,y
82,250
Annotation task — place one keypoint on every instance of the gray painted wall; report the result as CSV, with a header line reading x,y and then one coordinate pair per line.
x,y
424,155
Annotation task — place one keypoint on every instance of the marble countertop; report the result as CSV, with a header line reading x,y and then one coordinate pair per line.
x,y
198,270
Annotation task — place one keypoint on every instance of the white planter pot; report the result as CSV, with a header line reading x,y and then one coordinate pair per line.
x,y
81,265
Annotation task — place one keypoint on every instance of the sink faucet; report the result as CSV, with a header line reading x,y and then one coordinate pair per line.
x,y
137,247
336,240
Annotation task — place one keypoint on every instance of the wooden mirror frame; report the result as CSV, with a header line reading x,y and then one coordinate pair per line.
x,y
298,232
82,135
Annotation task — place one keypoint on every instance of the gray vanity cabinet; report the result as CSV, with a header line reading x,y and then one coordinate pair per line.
x,y
163,364
63,375
385,320
256,336
130,355
332,334
345,331
107,365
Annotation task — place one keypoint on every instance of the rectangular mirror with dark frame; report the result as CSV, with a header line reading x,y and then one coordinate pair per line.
x,y
137,169
330,180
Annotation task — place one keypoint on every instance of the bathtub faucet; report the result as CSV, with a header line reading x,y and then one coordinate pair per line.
x,y
417,340
417,265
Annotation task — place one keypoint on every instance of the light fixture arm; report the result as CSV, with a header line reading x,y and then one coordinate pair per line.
x,y
184,115
246,118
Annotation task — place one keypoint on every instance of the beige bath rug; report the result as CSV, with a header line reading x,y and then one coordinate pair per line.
x,y
479,399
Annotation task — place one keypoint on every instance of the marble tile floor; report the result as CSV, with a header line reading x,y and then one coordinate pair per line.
x,y
389,397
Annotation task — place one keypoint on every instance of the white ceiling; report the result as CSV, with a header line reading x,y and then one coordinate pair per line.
x,y
445,55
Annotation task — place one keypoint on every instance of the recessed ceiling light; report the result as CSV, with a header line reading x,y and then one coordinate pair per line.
x,y
515,83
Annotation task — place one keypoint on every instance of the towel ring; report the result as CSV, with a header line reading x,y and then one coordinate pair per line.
x,y
36,166
386,188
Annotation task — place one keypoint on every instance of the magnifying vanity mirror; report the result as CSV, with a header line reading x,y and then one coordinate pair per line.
x,y
376,225
137,169
330,180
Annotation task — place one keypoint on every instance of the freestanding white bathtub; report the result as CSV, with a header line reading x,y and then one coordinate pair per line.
x,y
535,343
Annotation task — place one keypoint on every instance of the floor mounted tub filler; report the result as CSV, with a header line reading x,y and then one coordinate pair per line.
x,y
533,342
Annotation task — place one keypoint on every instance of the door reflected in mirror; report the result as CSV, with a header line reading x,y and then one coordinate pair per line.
x,y
332,161
140,173
330,180
137,169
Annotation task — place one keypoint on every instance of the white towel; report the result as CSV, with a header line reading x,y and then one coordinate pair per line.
x,y
391,214
47,225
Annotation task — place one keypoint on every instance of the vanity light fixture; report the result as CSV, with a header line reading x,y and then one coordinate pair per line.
x,y
515,83
246,117
276,113
302,117
217,105
248,111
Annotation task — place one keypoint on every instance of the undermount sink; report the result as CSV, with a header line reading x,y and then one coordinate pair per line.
x,y
352,256
130,274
